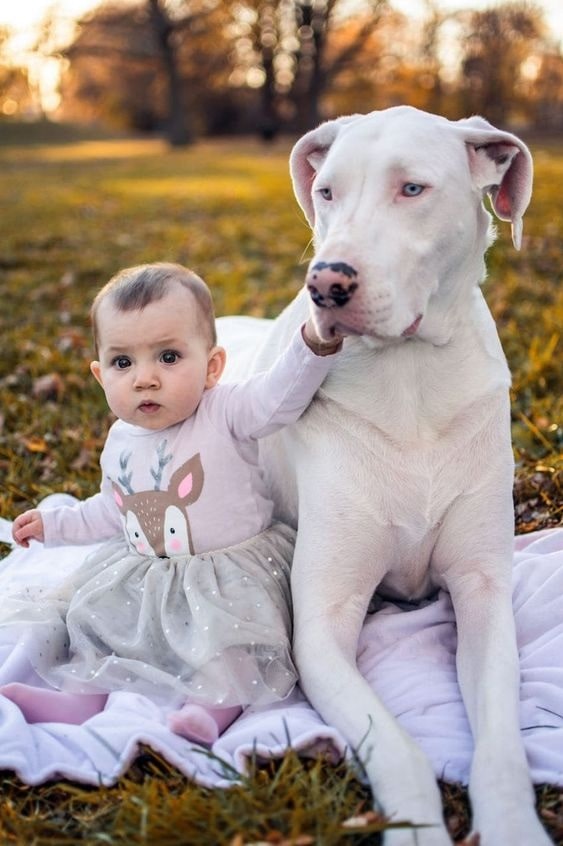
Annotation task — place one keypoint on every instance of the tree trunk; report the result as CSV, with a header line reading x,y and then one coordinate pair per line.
x,y
267,37
309,79
178,131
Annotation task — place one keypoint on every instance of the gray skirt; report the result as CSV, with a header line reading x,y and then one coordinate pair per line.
x,y
213,628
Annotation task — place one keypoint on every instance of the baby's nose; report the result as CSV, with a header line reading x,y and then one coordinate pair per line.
x,y
145,377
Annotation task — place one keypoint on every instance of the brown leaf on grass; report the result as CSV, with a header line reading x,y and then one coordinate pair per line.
x,y
363,820
82,460
547,814
72,339
75,380
67,279
35,444
49,387
278,839
538,491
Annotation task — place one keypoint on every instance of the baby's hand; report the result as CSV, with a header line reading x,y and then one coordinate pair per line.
x,y
28,525
315,343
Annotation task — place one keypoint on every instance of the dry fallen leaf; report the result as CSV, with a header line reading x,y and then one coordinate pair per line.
x,y
278,839
362,820
49,387
35,444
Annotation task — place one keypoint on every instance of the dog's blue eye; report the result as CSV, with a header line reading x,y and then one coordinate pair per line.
x,y
325,193
411,189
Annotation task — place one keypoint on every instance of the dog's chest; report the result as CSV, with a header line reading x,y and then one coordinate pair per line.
x,y
362,467
405,485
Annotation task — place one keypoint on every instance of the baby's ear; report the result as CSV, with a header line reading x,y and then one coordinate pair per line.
x,y
96,371
216,361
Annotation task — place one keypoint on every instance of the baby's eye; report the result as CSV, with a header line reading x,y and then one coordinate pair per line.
x,y
169,357
121,362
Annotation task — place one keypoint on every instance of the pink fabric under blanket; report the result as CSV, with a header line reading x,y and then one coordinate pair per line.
x,y
407,656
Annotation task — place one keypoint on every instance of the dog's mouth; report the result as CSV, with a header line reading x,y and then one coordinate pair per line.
x,y
342,328
413,328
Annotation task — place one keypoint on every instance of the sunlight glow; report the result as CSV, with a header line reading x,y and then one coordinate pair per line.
x,y
24,20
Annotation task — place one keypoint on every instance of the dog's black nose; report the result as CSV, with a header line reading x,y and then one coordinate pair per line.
x,y
337,295
326,285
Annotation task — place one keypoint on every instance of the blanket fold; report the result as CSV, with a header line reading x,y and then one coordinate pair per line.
x,y
408,657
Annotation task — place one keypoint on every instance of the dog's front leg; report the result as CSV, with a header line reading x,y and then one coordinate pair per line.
x,y
477,541
333,578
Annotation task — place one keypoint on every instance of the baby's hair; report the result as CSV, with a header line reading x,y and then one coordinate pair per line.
x,y
136,287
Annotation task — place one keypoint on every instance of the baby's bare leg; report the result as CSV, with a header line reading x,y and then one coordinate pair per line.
x,y
39,705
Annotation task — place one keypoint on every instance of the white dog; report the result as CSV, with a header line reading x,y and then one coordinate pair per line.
x,y
399,476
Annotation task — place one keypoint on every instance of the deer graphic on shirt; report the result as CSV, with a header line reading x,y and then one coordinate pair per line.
x,y
156,521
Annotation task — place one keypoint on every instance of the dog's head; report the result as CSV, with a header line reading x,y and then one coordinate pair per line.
x,y
395,200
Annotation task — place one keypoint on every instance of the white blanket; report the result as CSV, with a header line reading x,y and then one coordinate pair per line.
x,y
407,656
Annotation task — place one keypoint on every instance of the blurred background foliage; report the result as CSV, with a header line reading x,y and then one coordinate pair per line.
x,y
73,213
109,173
191,68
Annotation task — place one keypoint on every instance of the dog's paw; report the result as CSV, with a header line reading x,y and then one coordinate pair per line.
x,y
423,836
515,832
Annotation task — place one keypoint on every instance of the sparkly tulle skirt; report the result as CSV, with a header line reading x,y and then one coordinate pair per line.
x,y
213,628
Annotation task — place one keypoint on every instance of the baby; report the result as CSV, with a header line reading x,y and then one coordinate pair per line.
x,y
188,600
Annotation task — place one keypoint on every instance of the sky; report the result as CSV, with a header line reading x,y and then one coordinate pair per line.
x,y
23,16
26,13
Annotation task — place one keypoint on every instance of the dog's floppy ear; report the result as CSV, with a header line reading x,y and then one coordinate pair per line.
x,y
308,155
502,167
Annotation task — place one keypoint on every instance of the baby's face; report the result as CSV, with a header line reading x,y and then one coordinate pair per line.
x,y
153,362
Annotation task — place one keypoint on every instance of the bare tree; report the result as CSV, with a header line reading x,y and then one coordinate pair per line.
x,y
196,66
178,130
430,44
316,70
496,43
545,84
296,45
148,64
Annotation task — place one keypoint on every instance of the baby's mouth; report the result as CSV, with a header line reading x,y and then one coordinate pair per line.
x,y
148,407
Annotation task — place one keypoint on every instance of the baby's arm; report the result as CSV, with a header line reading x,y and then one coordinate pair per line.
x,y
93,520
278,396
28,526
89,521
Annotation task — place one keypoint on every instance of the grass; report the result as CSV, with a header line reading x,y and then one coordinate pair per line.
x,y
73,211
156,805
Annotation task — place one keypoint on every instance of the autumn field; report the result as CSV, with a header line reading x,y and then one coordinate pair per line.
x,y
74,211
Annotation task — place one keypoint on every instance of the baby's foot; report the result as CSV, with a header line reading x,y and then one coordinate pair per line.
x,y
39,705
202,725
